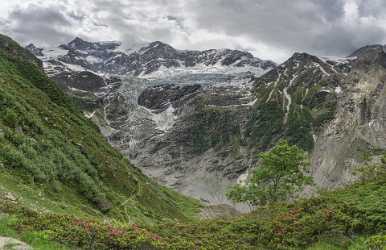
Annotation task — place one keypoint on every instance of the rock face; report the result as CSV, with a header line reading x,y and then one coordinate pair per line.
x,y
83,80
333,108
35,50
160,97
195,120
13,244
187,137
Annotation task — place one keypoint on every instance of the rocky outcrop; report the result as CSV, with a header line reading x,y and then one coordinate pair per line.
x,y
333,108
187,137
356,135
13,244
160,97
86,89
84,80
34,50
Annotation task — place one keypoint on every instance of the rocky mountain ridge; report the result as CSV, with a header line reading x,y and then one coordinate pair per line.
x,y
108,57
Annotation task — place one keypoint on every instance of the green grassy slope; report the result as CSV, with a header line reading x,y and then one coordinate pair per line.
x,y
51,157
351,218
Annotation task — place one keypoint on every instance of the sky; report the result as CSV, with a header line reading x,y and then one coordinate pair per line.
x,y
270,29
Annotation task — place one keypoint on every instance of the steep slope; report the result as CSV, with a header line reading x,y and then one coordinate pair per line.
x,y
191,139
333,108
52,157
295,100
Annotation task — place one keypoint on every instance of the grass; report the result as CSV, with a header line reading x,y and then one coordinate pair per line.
x,y
349,218
343,219
35,239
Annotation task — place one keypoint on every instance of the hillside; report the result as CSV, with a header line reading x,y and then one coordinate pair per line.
x,y
53,159
351,218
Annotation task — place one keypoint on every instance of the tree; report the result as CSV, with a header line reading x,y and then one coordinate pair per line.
x,y
282,173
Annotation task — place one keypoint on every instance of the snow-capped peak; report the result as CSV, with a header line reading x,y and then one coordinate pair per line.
x,y
110,58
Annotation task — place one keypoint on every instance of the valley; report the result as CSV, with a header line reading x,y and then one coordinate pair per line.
x,y
94,140
154,117
195,120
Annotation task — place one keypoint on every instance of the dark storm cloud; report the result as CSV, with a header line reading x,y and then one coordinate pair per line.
x,y
375,8
269,28
40,24
141,20
312,25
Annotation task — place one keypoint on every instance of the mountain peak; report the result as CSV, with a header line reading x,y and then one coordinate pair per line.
x,y
31,45
34,50
77,40
157,46
370,54
79,43
302,56
369,50
159,43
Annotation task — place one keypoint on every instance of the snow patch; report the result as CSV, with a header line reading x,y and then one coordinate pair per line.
x,y
74,67
52,53
250,103
93,59
166,119
77,90
242,179
89,115
321,68
274,86
336,59
164,72
288,97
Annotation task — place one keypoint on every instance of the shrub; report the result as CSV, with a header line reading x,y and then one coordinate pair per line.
x,y
280,175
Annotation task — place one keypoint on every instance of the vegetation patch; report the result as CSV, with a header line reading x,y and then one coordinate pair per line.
x,y
213,127
350,218
265,125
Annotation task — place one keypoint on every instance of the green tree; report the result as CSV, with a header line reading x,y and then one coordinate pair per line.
x,y
282,173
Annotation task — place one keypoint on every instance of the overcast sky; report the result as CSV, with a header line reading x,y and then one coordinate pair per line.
x,y
270,29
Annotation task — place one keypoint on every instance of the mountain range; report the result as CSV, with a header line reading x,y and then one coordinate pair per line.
x,y
136,97
110,58
195,120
